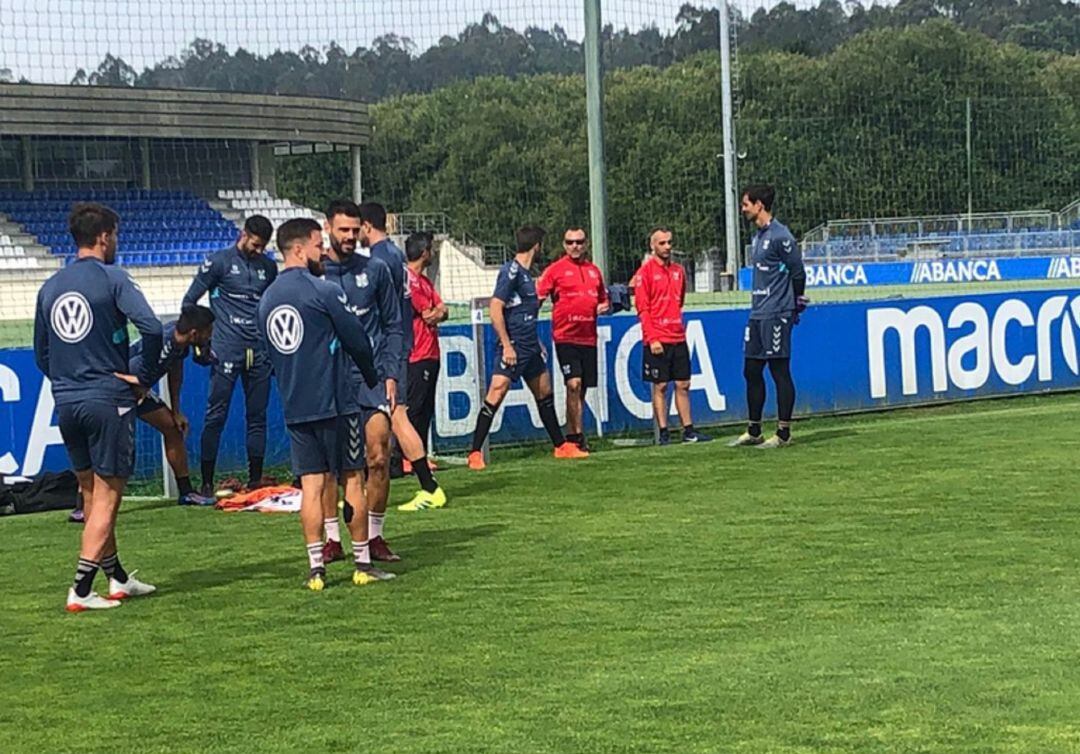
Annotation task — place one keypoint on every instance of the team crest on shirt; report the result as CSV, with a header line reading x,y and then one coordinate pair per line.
x,y
362,280
234,270
227,367
261,273
765,245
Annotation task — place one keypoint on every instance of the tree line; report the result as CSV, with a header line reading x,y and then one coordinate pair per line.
x,y
878,127
392,65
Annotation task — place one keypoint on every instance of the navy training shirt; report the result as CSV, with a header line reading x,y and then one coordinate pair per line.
x,y
305,321
236,282
169,355
394,258
778,265
516,288
81,332
369,288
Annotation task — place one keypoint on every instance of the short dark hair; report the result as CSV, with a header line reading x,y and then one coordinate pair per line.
x,y
572,228
528,236
417,244
658,229
194,317
760,192
345,207
87,221
297,229
257,225
374,213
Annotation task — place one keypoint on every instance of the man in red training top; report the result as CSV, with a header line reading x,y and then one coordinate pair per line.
x,y
578,295
659,291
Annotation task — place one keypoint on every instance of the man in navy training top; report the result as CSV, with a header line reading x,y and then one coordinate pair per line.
x,y
81,346
373,237
236,278
305,321
192,330
514,308
777,300
369,289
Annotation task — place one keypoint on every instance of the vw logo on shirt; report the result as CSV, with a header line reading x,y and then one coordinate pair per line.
x,y
285,329
71,317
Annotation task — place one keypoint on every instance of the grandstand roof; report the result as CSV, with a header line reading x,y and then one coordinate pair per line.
x,y
90,111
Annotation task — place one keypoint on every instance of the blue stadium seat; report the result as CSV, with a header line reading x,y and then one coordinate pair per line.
x,y
156,227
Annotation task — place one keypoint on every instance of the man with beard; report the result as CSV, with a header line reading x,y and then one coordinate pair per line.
x,y
305,320
370,295
373,236
236,278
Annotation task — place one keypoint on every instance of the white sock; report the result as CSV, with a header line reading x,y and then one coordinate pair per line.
x,y
374,524
361,554
314,556
333,531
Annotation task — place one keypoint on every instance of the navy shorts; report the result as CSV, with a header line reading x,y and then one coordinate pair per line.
x,y
768,338
353,437
577,362
99,436
149,405
673,363
315,447
530,364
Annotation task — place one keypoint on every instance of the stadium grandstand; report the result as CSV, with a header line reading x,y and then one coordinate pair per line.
x,y
998,234
146,153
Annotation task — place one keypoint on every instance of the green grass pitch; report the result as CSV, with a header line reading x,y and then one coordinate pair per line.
x,y
899,583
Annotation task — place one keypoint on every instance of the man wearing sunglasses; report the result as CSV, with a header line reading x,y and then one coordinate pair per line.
x,y
578,296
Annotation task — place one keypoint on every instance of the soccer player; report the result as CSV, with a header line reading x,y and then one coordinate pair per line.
x,y
373,236
193,329
578,295
304,321
236,278
371,296
514,307
776,302
428,311
659,293
81,346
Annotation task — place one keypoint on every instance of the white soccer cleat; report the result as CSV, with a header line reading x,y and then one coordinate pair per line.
x,y
130,588
92,601
746,440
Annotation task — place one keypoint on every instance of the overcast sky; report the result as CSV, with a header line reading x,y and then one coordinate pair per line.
x,y
48,40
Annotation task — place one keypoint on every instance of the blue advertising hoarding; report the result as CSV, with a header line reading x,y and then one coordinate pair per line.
x,y
847,357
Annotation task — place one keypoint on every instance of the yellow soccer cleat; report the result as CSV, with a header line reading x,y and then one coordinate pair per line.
x,y
774,442
422,501
315,583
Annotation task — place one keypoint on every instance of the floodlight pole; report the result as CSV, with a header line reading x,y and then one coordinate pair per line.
x,y
357,175
594,110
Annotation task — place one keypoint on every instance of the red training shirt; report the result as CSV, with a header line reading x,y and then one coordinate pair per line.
x,y
576,289
425,336
659,292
